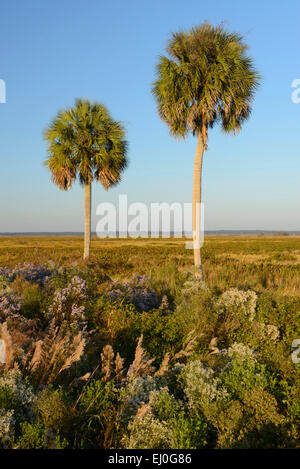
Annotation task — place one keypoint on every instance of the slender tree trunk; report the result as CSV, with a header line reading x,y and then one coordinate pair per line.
x,y
196,203
87,220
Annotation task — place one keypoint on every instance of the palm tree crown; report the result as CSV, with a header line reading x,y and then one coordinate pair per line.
x,y
207,79
85,141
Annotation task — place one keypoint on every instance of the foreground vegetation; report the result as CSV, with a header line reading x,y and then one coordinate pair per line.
x,y
130,350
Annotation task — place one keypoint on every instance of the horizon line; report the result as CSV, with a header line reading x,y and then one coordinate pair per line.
x,y
143,234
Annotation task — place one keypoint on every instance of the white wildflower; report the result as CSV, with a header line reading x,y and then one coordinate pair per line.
x,y
268,331
193,285
22,392
234,299
202,386
7,423
147,432
241,352
137,392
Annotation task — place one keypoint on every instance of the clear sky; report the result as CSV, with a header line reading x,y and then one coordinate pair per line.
x,y
53,51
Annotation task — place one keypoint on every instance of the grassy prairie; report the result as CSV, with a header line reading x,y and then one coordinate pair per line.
x,y
259,262
99,351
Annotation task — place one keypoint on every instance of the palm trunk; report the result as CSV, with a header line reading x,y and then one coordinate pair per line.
x,y
196,204
87,220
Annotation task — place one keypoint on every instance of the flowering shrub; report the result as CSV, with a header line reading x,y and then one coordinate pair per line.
x,y
147,432
137,393
234,300
21,392
267,331
7,423
243,372
163,422
16,401
241,353
202,386
9,307
68,304
135,291
112,364
192,285
30,272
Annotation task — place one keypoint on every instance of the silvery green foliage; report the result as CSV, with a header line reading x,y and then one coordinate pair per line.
x,y
22,392
154,396
145,431
202,386
136,291
268,331
23,400
7,423
242,371
193,285
238,300
241,353
137,392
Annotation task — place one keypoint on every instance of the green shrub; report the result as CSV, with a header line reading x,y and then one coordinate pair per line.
x,y
32,302
36,436
97,413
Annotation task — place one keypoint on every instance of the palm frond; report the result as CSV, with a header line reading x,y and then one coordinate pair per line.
x,y
207,78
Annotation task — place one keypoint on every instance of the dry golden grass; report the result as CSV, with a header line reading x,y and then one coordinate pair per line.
x,y
258,262
46,358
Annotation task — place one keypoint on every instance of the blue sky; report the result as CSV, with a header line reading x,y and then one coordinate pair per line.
x,y
54,51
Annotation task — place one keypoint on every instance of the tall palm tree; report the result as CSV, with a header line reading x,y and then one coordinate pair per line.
x,y
207,78
85,142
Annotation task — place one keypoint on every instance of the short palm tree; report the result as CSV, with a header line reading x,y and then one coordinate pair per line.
x,y
85,142
207,78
